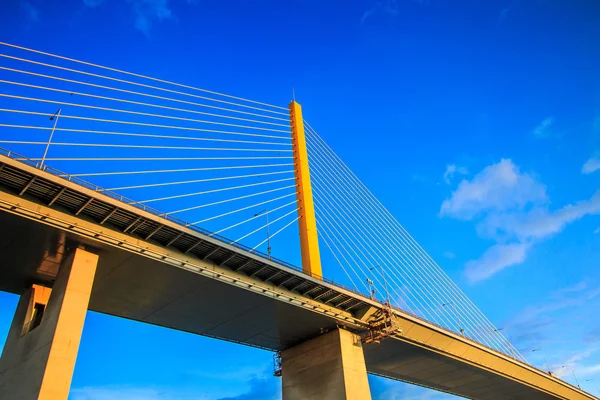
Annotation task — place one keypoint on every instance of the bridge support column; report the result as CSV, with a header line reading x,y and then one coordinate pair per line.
x,y
329,367
39,355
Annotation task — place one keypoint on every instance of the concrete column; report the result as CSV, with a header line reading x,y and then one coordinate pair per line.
x,y
329,367
40,352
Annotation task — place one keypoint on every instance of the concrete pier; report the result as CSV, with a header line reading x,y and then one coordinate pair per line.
x,y
41,348
328,367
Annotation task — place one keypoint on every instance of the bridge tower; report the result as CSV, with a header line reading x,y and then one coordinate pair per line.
x,y
309,242
332,365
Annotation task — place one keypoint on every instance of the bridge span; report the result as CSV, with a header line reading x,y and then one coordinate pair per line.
x,y
153,270
67,245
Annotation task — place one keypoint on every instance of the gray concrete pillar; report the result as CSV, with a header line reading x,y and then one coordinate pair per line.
x,y
328,367
41,348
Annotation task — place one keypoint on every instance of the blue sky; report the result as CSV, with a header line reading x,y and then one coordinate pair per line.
x,y
476,123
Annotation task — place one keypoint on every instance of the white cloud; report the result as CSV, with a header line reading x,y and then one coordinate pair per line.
x,y
580,356
576,288
498,187
543,129
538,223
573,363
495,259
588,370
149,11
451,170
512,208
593,294
591,165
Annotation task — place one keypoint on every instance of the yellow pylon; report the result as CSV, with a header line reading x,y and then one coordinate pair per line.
x,y
309,242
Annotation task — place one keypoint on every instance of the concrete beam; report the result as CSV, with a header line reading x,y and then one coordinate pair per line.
x,y
331,366
40,352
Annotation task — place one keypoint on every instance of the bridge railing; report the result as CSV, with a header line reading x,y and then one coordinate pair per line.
x,y
36,164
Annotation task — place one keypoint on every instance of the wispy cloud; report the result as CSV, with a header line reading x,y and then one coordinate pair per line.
x,y
385,7
495,259
570,352
146,13
260,388
93,3
543,129
388,8
129,393
386,389
539,222
452,170
591,165
31,12
593,337
449,255
512,208
503,15
588,370
576,362
529,326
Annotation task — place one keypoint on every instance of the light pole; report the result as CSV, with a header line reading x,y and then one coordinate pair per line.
x,y
574,376
371,289
593,380
266,212
505,337
55,118
545,360
387,293
462,331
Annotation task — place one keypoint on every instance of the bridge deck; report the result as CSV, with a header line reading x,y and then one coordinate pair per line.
x,y
157,271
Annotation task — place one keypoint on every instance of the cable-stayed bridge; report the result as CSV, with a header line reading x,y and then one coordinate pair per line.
x,y
172,205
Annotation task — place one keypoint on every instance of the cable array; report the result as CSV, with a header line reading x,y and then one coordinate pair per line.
x,y
222,162
375,250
